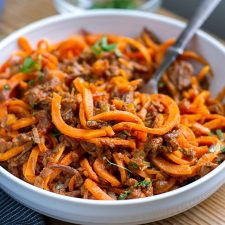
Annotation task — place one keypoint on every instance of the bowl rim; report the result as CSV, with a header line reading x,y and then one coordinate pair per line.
x,y
102,13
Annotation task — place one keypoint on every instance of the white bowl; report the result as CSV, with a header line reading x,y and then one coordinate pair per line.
x,y
134,211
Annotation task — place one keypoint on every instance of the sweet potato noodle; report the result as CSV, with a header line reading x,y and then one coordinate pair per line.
x,y
73,122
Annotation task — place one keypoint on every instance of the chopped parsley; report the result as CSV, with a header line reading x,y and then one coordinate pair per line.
x,y
58,186
161,84
34,113
222,149
114,164
124,195
40,76
31,82
219,160
103,46
212,148
211,133
6,87
118,52
55,133
220,134
133,165
30,65
125,132
144,183
118,4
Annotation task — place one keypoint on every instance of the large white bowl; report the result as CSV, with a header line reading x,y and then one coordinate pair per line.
x,y
134,211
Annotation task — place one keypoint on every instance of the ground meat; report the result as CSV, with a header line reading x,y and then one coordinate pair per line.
x,y
96,124
69,142
152,114
90,148
19,160
113,70
41,95
168,143
70,170
75,69
44,121
215,107
207,168
128,97
171,139
19,140
68,110
5,145
153,144
180,74
73,193
22,139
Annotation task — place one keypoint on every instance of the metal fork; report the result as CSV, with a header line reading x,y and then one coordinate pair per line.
x,y
200,16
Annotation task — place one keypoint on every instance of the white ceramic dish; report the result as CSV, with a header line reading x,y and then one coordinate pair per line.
x,y
134,211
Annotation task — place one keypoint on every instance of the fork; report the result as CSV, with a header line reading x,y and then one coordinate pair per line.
x,y
202,13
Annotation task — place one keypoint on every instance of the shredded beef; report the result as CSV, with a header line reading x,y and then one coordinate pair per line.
x,y
167,143
44,121
215,107
75,69
180,74
69,142
68,110
90,148
70,170
152,114
22,138
153,144
128,97
19,160
171,139
41,94
96,124
4,145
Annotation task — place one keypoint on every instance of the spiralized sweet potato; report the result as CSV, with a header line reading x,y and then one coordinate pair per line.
x,y
73,121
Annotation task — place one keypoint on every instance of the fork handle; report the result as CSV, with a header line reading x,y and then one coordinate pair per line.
x,y
201,14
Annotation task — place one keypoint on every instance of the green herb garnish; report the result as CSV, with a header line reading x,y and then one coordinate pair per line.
x,y
124,195
31,82
211,133
58,186
219,160
212,148
34,113
40,76
118,4
103,46
118,53
222,149
55,133
125,132
144,183
30,65
220,134
161,84
6,87
114,164
133,165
